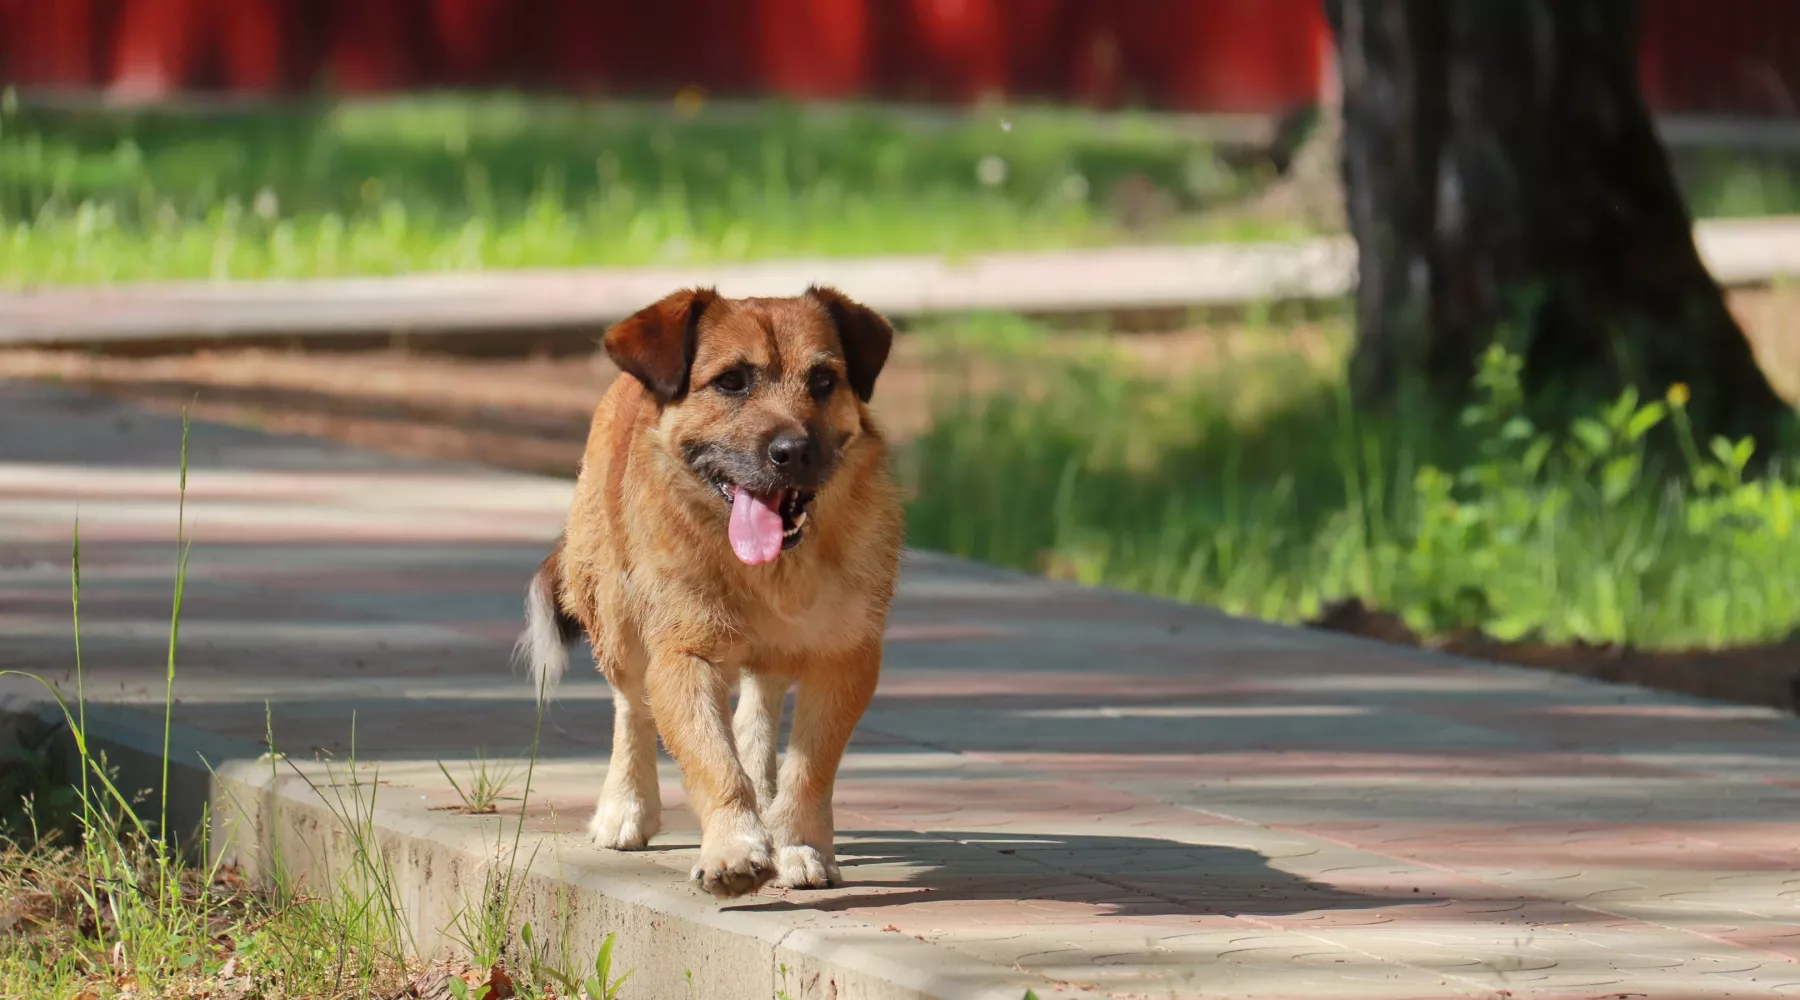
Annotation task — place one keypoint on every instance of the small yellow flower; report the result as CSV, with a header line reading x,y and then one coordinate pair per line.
x,y
689,100
1678,394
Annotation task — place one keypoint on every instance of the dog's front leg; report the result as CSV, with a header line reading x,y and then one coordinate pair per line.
x,y
757,727
690,698
832,698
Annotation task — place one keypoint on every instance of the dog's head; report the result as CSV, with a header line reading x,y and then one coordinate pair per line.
x,y
760,398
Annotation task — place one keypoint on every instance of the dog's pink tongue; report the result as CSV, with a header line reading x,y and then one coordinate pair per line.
x,y
755,526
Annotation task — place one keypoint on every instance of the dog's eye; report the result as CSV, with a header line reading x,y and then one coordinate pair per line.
x,y
732,382
821,383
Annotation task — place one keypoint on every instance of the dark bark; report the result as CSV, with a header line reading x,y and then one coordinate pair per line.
x,y
1504,180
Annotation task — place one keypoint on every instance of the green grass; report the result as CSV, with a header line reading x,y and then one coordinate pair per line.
x,y
382,187
483,786
505,181
1735,184
104,898
1255,488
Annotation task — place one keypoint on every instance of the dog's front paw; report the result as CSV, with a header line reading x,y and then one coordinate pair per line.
x,y
625,823
804,867
736,860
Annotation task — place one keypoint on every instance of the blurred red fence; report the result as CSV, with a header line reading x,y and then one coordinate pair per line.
x,y
1722,56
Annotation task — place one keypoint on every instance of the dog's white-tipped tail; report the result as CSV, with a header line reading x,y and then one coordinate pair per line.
x,y
544,644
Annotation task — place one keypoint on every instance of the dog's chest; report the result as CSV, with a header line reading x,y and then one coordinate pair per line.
x,y
833,615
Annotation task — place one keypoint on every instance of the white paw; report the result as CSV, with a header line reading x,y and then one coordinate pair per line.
x,y
625,823
736,859
804,867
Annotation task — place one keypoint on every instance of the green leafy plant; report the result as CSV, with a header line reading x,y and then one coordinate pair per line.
x,y
602,985
461,990
1257,488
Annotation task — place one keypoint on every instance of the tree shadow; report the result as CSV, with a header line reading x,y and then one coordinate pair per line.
x,y
1118,875
106,433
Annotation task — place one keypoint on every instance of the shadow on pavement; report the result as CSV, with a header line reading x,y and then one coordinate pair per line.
x,y
1121,876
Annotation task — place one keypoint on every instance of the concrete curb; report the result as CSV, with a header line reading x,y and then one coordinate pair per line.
x,y
259,813
1739,252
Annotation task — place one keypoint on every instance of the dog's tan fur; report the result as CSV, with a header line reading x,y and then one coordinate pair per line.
x,y
644,567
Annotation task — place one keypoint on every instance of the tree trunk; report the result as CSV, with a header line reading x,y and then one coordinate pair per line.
x,y
1504,181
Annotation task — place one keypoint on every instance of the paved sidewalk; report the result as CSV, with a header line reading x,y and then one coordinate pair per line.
x,y
1738,251
1073,791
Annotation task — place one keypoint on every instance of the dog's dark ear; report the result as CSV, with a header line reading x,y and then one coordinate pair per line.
x,y
655,345
866,336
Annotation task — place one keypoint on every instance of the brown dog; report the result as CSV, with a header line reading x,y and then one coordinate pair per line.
x,y
734,521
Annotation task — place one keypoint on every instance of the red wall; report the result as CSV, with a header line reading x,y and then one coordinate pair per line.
x,y
1201,55
1723,55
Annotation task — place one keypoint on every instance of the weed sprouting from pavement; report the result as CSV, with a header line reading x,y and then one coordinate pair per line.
x,y
482,789
182,548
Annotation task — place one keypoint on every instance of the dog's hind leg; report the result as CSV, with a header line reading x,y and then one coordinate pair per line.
x,y
630,809
831,700
757,729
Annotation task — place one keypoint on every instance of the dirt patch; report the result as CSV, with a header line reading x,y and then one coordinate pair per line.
x,y
525,414
1752,675
531,414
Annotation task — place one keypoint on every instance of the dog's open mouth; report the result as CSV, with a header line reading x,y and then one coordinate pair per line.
x,y
764,525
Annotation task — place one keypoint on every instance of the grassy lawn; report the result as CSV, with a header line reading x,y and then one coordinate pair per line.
x,y
1250,485
437,183
381,187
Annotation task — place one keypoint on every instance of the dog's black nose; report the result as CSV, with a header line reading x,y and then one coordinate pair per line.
x,y
791,451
